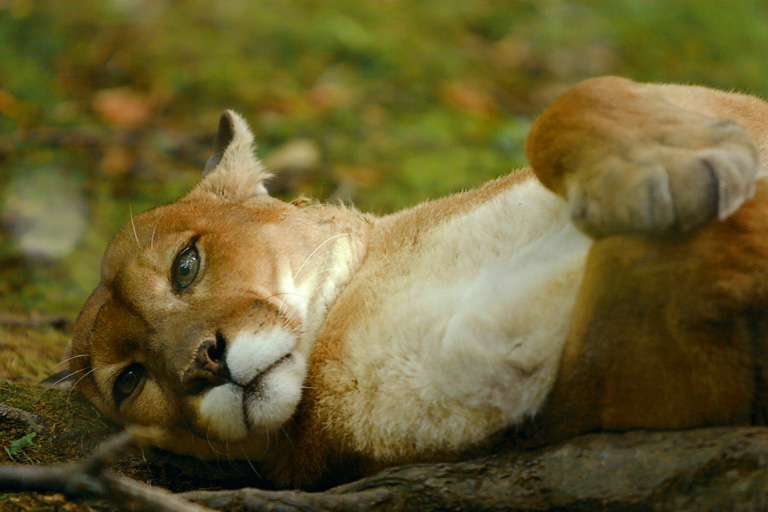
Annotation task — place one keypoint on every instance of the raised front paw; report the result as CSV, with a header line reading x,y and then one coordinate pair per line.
x,y
675,181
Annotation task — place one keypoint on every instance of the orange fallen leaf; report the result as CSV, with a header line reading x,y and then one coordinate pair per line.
x,y
116,162
8,104
122,106
468,97
358,175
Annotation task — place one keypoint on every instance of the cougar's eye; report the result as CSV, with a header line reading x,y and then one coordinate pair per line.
x,y
127,381
185,267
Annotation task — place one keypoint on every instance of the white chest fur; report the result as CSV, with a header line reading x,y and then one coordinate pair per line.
x,y
467,339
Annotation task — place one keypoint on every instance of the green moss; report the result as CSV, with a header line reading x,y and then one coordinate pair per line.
x,y
73,426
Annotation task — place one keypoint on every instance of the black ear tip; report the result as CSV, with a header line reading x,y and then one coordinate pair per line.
x,y
226,130
224,138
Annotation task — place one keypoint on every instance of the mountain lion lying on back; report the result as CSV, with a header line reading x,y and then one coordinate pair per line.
x,y
621,283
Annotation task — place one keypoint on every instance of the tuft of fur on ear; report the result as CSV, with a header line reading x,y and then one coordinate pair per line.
x,y
233,172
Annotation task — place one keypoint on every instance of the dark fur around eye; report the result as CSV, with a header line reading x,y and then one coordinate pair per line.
x,y
127,382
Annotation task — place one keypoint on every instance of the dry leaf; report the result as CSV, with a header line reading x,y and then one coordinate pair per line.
x,y
468,97
122,106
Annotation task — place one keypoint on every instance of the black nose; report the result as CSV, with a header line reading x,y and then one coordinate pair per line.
x,y
209,368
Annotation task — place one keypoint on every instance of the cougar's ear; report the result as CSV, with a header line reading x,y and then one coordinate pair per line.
x,y
233,172
65,379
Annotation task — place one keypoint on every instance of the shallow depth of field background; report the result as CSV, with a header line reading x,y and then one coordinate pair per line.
x,y
110,106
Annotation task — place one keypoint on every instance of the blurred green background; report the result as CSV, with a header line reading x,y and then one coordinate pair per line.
x,y
110,106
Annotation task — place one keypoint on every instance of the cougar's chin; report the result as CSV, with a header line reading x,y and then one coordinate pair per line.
x,y
271,398
221,413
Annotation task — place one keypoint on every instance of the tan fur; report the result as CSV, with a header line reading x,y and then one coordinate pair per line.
x,y
325,344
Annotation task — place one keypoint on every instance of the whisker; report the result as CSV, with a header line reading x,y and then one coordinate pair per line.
x,y
323,271
281,308
285,293
210,443
152,240
69,395
301,267
144,458
289,318
75,373
282,304
253,468
130,214
67,360
70,375
286,435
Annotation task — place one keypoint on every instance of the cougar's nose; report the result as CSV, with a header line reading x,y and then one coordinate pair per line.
x,y
209,368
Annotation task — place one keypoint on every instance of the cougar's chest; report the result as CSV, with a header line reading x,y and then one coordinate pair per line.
x,y
436,321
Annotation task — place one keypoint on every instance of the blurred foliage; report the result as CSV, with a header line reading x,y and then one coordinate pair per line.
x,y
116,101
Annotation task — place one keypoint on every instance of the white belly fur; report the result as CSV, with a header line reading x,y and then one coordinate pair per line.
x,y
469,341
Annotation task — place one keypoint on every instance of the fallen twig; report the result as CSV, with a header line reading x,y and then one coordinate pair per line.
x,y
257,500
34,319
33,421
705,470
91,479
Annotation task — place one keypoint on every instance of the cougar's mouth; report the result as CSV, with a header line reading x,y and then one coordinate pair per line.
x,y
254,389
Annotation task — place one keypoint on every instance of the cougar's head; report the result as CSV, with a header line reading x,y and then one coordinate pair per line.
x,y
196,325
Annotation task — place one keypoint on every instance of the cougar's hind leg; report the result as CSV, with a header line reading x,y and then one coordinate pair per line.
x,y
760,335
669,332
